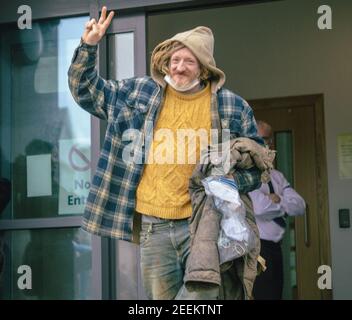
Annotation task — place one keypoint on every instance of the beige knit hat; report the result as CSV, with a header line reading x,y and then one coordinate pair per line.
x,y
200,41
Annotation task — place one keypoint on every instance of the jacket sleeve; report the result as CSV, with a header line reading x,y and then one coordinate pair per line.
x,y
249,125
248,179
93,93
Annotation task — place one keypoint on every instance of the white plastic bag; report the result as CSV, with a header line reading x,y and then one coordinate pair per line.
x,y
236,237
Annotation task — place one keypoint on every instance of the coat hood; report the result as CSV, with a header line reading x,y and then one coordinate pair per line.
x,y
200,41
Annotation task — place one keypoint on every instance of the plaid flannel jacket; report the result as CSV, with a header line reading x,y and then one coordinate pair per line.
x,y
134,104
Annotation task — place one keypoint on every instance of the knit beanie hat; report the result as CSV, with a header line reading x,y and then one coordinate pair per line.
x,y
200,41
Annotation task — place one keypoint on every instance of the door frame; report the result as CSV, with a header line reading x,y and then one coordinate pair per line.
x,y
317,101
43,9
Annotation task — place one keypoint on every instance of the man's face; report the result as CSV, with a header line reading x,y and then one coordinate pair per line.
x,y
267,134
184,67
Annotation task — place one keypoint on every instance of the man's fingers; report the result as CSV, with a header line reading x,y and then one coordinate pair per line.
x,y
87,25
102,16
90,23
95,28
108,20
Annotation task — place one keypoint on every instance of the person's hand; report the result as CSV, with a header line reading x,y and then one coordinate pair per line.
x,y
94,31
274,198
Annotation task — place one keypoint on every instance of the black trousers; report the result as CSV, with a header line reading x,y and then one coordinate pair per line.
x,y
268,285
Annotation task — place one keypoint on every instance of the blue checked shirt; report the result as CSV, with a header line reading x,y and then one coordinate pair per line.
x,y
133,104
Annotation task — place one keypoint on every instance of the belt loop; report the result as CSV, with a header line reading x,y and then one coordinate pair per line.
x,y
150,228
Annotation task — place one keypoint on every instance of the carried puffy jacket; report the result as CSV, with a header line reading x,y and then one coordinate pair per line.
x,y
203,271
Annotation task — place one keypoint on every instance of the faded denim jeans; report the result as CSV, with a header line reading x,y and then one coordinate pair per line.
x,y
165,246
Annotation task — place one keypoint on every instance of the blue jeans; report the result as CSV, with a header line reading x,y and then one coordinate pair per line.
x,y
164,246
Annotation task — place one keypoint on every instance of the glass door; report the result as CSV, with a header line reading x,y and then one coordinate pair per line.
x,y
48,152
45,165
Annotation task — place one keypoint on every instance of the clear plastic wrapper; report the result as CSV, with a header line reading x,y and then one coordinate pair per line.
x,y
236,238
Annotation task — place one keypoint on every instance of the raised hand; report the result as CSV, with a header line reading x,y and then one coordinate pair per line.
x,y
94,31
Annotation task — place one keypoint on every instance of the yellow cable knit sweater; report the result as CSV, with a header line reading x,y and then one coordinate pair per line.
x,y
183,128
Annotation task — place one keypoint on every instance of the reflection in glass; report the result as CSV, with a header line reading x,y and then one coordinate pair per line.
x,y
121,55
284,156
45,136
59,262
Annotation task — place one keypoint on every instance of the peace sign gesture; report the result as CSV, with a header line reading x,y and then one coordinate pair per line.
x,y
94,31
